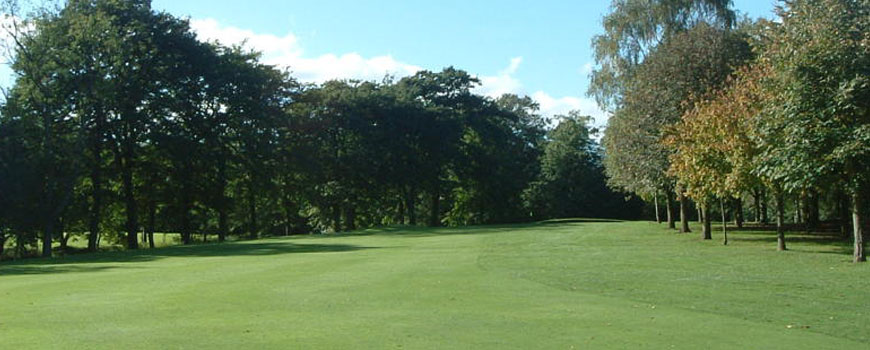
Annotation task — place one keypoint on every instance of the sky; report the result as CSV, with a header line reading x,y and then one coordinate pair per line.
x,y
541,50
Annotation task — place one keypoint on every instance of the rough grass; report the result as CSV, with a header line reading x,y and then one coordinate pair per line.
x,y
580,284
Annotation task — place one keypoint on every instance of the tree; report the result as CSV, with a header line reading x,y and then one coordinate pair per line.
x,y
571,181
633,29
714,152
816,132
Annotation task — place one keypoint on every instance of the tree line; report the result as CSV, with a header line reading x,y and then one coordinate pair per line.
x,y
711,110
121,124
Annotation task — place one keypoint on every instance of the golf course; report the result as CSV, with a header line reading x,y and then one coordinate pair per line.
x,y
583,284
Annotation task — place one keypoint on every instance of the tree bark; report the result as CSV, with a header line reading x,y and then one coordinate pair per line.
x,y
780,222
764,216
252,212
223,227
756,197
186,237
435,207
96,207
656,201
350,218
412,207
64,238
858,227
738,214
47,234
336,218
132,223
684,213
152,218
707,228
724,221
812,211
843,214
797,212
401,211
670,210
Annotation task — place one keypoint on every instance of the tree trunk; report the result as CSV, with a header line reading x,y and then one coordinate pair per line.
x,y
724,221
223,227
19,245
780,222
656,201
435,207
756,197
96,208
700,214
132,223
401,211
3,239
738,214
670,210
797,212
288,220
186,236
412,207
843,214
152,216
336,218
764,216
252,212
47,238
64,239
812,211
707,228
350,218
684,213
858,227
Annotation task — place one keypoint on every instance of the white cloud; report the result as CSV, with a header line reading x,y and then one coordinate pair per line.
x,y
587,68
552,106
505,82
287,52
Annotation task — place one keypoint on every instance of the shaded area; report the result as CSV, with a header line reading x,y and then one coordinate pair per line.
x,y
422,231
579,220
70,263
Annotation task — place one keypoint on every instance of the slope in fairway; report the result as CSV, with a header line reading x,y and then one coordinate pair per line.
x,y
563,285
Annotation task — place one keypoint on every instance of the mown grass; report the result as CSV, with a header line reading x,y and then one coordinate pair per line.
x,y
580,284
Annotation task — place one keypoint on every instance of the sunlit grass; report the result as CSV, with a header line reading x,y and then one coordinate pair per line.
x,y
557,285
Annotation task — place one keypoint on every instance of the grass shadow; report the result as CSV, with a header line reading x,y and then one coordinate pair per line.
x,y
72,263
815,242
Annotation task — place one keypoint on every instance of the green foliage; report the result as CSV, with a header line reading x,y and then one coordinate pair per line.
x,y
571,181
816,129
633,29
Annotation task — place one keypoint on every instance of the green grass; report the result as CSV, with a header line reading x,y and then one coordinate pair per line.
x,y
583,285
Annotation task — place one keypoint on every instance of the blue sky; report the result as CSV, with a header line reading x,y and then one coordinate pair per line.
x,y
542,50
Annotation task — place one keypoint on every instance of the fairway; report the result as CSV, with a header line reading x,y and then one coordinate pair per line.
x,y
583,285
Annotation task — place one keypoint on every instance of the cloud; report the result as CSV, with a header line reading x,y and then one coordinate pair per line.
x,y
553,106
587,68
503,83
506,83
286,51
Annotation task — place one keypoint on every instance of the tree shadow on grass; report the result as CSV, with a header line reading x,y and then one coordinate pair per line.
x,y
423,231
817,243
78,263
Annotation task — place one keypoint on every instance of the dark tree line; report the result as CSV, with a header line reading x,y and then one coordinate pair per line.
x,y
121,124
